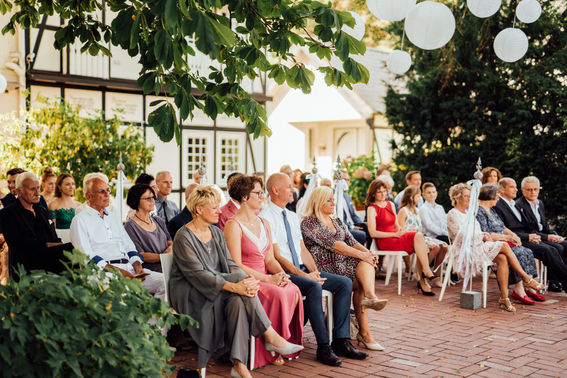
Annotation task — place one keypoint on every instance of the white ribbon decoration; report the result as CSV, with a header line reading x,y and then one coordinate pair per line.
x,y
340,187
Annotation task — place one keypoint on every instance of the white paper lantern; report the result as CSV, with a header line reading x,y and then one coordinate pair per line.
x,y
511,44
483,8
390,10
399,62
528,11
430,25
359,28
3,84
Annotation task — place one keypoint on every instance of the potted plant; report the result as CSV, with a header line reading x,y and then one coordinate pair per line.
x,y
361,171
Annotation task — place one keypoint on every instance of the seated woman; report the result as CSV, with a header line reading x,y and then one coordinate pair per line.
x,y
484,248
383,226
62,208
248,238
336,251
490,175
148,232
491,223
410,221
48,182
209,286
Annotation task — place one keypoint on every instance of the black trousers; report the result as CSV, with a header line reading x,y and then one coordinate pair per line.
x,y
553,257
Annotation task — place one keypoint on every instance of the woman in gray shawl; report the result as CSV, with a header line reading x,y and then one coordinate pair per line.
x,y
207,284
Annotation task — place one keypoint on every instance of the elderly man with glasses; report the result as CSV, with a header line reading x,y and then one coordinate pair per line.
x,y
100,234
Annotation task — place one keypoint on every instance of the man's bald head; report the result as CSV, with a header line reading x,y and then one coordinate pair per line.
x,y
189,189
280,188
505,181
507,188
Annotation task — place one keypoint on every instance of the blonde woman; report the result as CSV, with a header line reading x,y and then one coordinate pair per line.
x,y
336,251
209,286
484,247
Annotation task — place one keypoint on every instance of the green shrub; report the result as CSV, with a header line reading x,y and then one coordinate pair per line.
x,y
83,323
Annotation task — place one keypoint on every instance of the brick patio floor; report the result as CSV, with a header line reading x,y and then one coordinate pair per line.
x,y
425,337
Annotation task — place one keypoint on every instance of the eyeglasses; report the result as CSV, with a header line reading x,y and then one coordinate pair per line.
x,y
531,189
152,198
260,194
463,196
101,191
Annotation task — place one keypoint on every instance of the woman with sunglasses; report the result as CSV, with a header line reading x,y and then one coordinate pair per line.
x,y
248,238
148,233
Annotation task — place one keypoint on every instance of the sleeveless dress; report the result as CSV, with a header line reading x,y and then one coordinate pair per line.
x,y
280,303
413,224
386,222
62,217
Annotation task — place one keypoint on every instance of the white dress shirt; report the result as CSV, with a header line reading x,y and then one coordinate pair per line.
x,y
274,215
535,208
433,219
512,205
102,238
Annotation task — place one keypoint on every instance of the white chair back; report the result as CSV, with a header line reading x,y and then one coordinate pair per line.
x,y
64,235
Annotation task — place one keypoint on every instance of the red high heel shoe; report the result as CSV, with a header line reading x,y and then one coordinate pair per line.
x,y
536,296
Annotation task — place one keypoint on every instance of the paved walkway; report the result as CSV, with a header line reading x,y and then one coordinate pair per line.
x,y
425,337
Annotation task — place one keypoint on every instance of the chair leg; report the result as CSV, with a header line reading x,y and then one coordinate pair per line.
x,y
446,278
252,353
391,262
484,286
399,258
330,317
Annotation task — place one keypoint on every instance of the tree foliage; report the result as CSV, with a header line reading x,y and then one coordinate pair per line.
x,y
462,103
83,323
56,136
246,37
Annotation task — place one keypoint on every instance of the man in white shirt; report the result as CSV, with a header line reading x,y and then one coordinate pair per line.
x,y
433,216
165,209
291,253
100,235
412,178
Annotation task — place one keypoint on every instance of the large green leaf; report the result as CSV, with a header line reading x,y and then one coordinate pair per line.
x,y
163,49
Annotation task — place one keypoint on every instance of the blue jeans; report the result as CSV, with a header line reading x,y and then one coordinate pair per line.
x,y
341,287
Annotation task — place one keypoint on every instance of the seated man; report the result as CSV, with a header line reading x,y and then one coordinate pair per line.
x,y
291,253
183,217
30,234
433,216
100,235
412,178
356,227
232,206
10,198
515,219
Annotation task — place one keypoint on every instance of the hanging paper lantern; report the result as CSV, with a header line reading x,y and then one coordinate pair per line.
x,y
359,28
430,25
399,62
483,8
528,11
390,10
3,84
511,44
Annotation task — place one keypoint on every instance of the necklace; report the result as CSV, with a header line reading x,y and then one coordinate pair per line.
x,y
148,223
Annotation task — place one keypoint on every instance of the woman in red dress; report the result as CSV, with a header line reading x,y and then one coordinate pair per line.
x,y
382,225
248,239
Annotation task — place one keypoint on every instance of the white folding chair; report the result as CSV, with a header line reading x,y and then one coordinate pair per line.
x,y
64,235
166,260
541,271
396,258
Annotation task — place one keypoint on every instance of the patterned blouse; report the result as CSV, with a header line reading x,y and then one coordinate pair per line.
x,y
320,239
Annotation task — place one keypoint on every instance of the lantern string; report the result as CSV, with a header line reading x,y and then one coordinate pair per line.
x,y
403,38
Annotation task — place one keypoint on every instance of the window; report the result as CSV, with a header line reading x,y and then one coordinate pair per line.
x,y
229,156
196,154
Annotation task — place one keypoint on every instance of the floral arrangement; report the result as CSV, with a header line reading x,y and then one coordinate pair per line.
x,y
362,171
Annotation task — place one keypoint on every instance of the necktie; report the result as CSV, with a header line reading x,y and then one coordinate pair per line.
x,y
164,207
290,240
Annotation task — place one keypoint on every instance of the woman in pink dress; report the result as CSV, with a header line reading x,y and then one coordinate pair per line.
x,y
382,225
248,239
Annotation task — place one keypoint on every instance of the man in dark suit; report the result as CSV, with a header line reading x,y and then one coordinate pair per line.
x,y
10,198
30,234
184,215
514,217
357,228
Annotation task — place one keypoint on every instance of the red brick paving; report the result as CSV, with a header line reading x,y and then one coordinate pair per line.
x,y
425,337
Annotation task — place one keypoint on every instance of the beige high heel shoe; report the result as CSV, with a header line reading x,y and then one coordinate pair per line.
x,y
533,284
373,303
506,304
370,346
